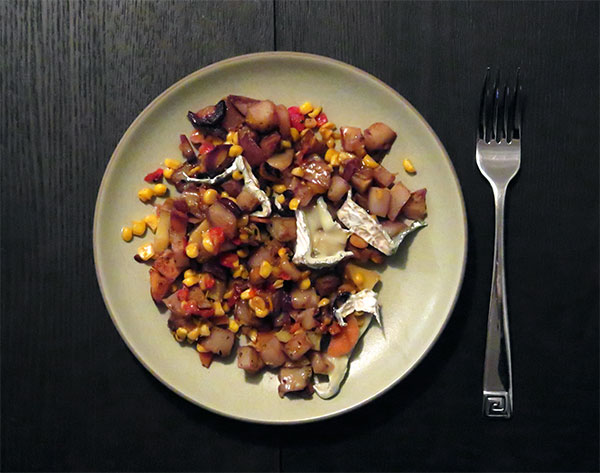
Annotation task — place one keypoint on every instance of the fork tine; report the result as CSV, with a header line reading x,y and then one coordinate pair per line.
x,y
517,107
482,106
496,106
502,115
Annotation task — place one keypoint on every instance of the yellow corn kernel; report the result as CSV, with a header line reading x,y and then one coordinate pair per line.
x,y
295,134
168,173
246,294
253,335
325,133
282,252
126,233
305,284
228,294
336,135
160,189
279,188
192,250
261,313
237,273
146,251
152,221
304,132
310,123
278,284
335,161
218,308
216,141
235,151
293,205
329,126
189,282
323,302
209,196
232,137
145,194
298,172
331,142
207,244
244,236
370,162
233,326
189,273
265,269
226,307
195,170
193,335
285,144
242,253
358,279
172,163
181,334
315,112
204,330
224,194
257,303
408,166
330,154
238,176
201,349
138,227
280,199
306,107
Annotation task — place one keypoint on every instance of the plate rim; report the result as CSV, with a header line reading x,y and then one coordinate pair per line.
x,y
190,77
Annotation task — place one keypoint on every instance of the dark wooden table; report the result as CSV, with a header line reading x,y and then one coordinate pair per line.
x,y
74,76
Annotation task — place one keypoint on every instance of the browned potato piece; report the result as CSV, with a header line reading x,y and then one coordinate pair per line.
x,y
249,360
262,116
379,137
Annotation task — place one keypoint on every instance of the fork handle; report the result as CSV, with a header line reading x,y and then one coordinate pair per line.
x,y
497,375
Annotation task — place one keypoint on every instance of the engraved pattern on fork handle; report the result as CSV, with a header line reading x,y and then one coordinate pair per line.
x,y
497,375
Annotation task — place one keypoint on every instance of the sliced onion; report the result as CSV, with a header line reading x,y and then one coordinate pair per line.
x,y
304,299
338,189
282,161
399,196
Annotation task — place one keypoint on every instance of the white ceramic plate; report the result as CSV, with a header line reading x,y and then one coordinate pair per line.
x,y
420,285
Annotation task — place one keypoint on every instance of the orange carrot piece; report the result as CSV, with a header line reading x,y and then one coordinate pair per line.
x,y
343,343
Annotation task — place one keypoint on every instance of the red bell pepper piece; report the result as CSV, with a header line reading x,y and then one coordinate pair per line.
x,y
229,260
296,118
206,147
154,176
321,119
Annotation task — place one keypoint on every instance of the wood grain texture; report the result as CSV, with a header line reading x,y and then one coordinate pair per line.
x,y
435,55
74,76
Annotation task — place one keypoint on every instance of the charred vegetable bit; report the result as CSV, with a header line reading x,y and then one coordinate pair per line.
x,y
252,246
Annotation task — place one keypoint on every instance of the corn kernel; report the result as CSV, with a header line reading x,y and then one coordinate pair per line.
x,y
408,166
243,221
226,307
278,284
138,227
246,294
145,194
224,194
280,199
305,284
336,161
233,326
310,123
168,173
279,188
244,236
315,112
216,141
160,189
237,273
285,144
293,205
298,172
191,250
232,137
331,143
323,302
193,335
261,313
189,282
201,349
325,133
172,163
126,233
253,335
257,303
235,151
329,126
357,241
358,279
295,134
330,154
207,244
238,176
146,251
336,135
209,196
242,253
189,273
218,308
152,221
195,170
305,108
204,330
304,132
181,334
370,162
265,269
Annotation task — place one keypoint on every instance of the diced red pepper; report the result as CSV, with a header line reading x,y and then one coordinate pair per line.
x,y
236,241
154,176
197,138
285,276
183,294
191,308
217,237
206,312
296,118
321,119
206,147
208,281
229,260
294,328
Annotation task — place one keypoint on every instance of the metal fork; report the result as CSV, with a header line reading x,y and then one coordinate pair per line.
x,y
498,157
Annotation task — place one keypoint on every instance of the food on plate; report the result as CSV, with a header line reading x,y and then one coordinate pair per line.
x,y
262,240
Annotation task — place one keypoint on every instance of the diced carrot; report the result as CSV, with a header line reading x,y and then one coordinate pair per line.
x,y
344,342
